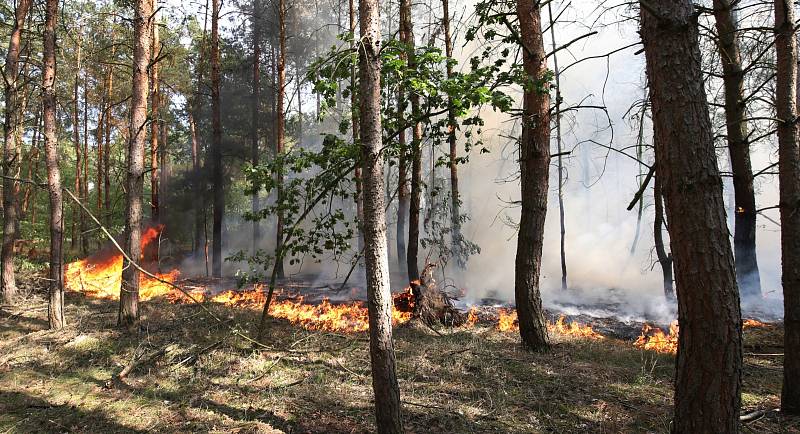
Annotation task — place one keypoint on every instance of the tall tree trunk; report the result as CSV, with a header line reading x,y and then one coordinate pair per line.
x,y
709,362
744,235
33,159
129,293
100,134
534,180
664,259
256,112
359,199
216,145
381,345
108,117
198,179
77,214
789,176
280,127
402,163
56,283
559,149
155,119
85,152
8,284
455,196
412,254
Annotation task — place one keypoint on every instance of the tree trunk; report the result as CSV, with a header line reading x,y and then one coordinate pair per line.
x,y
412,255
33,159
709,362
280,127
155,119
77,214
8,284
256,112
789,176
559,149
534,180
664,259
198,180
455,197
107,154
381,345
744,237
56,283
216,145
85,177
129,293
359,199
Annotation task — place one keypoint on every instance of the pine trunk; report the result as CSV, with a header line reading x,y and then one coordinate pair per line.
x,y
789,176
256,113
129,292
280,130
56,283
8,284
359,199
664,259
709,362
534,180
381,344
744,235
217,181
155,121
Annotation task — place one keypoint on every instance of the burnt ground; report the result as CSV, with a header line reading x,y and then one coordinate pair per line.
x,y
452,380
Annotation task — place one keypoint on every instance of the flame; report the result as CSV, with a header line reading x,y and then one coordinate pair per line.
x,y
100,275
574,329
653,338
752,323
472,317
508,320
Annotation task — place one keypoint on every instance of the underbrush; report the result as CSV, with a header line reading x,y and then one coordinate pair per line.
x,y
191,374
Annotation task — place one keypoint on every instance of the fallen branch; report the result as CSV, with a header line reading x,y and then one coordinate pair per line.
x,y
136,362
755,415
194,357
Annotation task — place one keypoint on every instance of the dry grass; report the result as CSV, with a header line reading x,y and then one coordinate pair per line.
x,y
467,380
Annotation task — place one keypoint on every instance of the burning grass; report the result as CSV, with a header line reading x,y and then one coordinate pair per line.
x,y
469,379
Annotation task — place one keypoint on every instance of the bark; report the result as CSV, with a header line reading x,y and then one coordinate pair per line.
x,y
402,163
744,237
99,152
155,121
534,181
129,292
77,215
216,145
359,199
455,196
664,259
198,180
280,127
381,345
412,254
85,177
33,159
108,121
8,285
56,284
789,177
560,159
709,361
256,112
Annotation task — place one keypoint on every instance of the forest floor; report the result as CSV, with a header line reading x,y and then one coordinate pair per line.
x,y
459,381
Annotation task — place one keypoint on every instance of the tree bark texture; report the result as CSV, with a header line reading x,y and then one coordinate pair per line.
x,y
217,181
709,361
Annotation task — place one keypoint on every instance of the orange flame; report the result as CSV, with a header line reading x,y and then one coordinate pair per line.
x,y
752,323
653,338
472,317
508,320
575,329
100,275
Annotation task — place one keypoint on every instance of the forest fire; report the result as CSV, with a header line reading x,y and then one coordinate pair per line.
x,y
100,275
653,338
507,322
